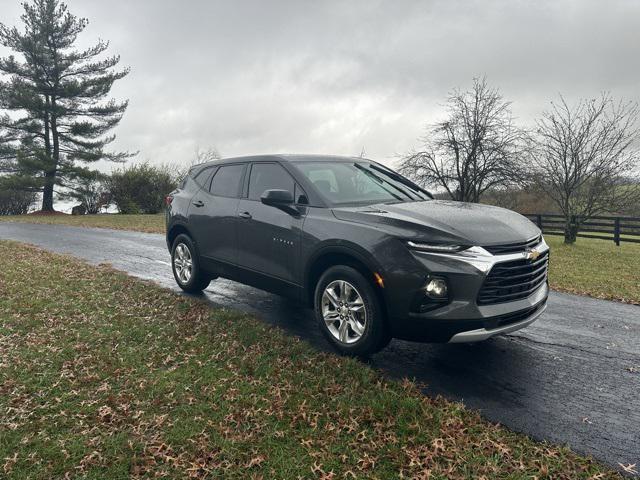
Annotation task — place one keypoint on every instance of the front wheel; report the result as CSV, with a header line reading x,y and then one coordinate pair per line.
x,y
186,266
349,312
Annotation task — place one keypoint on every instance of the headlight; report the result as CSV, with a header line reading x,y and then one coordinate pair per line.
x,y
475,256
435,248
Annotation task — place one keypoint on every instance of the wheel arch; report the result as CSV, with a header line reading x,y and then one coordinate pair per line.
x,y
332,255
176,230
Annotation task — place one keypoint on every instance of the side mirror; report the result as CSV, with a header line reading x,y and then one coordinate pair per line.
x,y
277,198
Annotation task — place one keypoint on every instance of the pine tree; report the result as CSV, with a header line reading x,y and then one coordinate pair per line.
x,y
57,115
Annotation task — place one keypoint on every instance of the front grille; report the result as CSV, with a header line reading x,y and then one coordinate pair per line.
x,y
509,281
513,247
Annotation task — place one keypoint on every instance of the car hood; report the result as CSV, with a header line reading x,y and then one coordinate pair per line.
x,y
444,221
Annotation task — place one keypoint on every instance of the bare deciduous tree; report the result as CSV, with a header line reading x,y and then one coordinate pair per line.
x,y
208,154
200,155
91,191
586,159
477,148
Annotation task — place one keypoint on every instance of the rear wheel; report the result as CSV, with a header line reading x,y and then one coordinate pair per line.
x,y
185,264
349,312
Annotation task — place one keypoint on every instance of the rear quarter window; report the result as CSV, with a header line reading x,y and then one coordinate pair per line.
x,y
226,181
203,177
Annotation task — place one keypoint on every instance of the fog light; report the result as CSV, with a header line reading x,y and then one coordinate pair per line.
x,y
437,288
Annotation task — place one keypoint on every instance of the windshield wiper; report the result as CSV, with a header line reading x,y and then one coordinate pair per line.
x,y
401,179
381,180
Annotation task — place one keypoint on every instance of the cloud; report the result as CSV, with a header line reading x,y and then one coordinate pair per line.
x,y
334,77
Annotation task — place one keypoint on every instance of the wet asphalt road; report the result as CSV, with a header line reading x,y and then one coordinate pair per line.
x,y
573,377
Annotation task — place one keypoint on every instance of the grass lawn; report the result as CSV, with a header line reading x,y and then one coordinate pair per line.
x,y
596,267
590,267
140,223
106,376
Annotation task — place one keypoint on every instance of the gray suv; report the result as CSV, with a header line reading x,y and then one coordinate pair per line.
x,y
370,251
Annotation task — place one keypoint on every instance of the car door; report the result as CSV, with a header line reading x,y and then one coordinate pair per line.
x,y
268,238
213,215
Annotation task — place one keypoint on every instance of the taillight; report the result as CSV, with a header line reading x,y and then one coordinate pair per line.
x,y
168,199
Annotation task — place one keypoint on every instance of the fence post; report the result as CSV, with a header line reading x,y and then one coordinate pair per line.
x,y
539,219
616,231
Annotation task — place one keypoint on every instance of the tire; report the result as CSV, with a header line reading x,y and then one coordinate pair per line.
x,y
360,331
184,250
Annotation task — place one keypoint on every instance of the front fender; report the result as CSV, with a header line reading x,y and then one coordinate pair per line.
x,y
344,248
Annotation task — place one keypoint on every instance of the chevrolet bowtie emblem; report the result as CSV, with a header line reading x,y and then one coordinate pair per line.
x,y
532,254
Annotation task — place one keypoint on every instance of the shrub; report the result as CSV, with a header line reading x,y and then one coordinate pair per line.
x,y
141,188
91,192
15,202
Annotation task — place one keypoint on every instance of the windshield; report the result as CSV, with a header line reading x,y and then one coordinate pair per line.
x,y
360,183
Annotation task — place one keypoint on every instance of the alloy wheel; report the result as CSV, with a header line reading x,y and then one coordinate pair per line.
x,y
343,311
183,263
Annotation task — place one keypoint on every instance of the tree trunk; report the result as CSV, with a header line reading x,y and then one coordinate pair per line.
x,y
49,178
570,230
47,193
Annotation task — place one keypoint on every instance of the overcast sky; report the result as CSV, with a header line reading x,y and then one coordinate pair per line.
x,y
336,77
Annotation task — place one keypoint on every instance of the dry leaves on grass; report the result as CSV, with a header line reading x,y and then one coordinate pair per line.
x,y
104,375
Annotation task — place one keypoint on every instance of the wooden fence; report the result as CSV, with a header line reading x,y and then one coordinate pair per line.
x,y
617,229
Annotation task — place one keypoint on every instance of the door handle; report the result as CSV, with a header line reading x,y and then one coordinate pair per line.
x,y
199,203
244,215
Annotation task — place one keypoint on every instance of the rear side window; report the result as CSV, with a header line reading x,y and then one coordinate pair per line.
x,y
203,176
226,182
268,176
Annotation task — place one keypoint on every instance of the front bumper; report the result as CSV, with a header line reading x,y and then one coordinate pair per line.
x,y
481,334
462,319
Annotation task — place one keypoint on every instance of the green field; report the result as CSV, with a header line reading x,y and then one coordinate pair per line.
x,y
590,267
106,376
139,223
596,268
